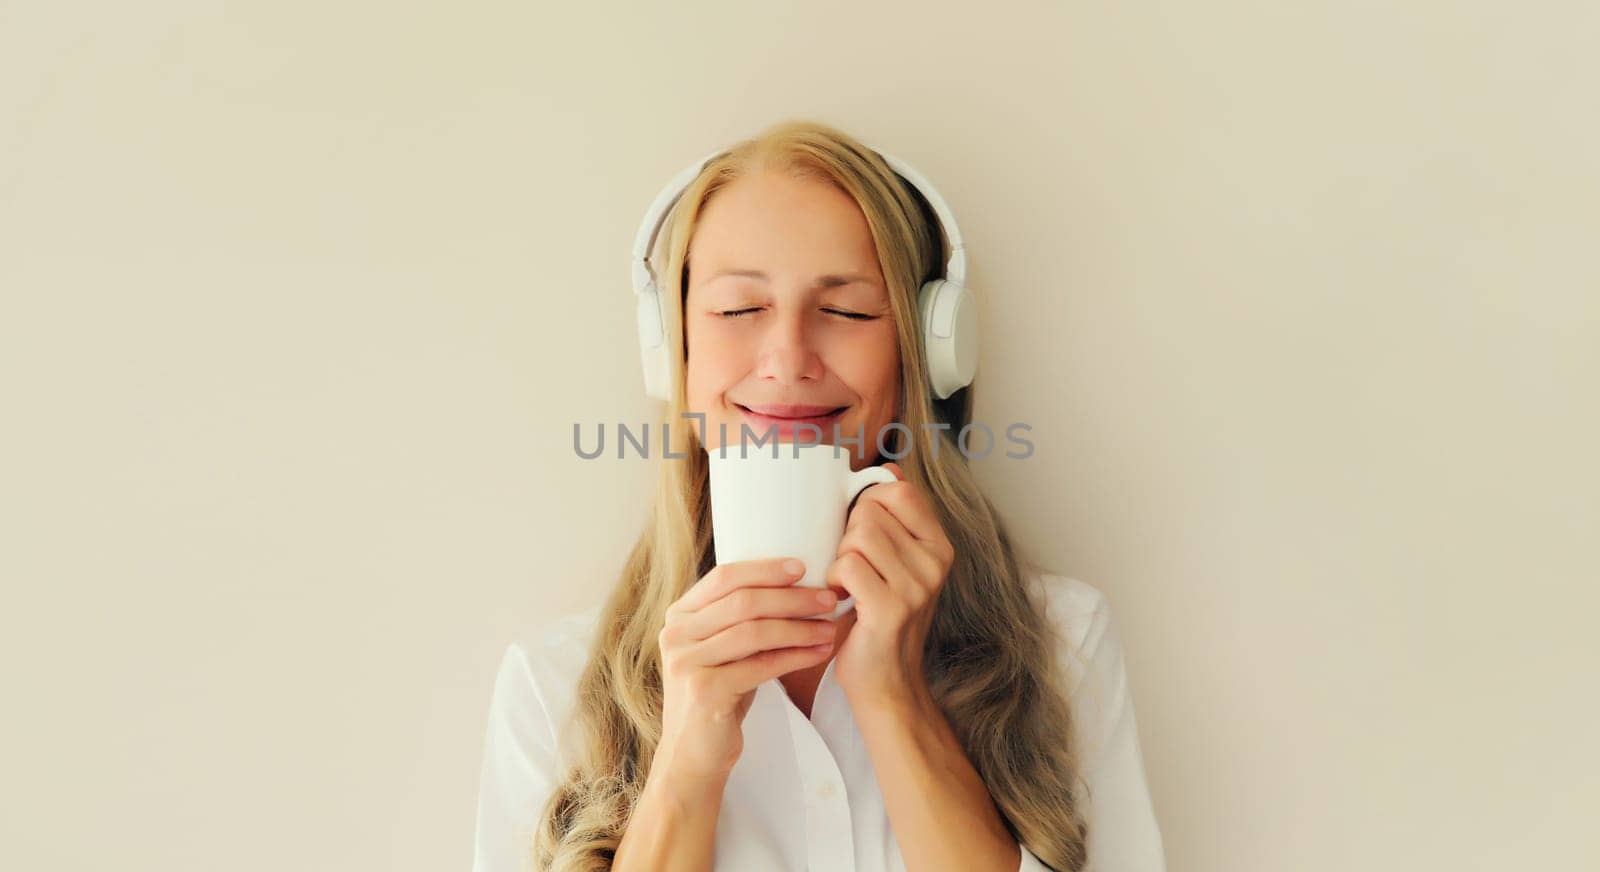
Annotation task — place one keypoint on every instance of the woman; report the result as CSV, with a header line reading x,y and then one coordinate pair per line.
x,y
971,712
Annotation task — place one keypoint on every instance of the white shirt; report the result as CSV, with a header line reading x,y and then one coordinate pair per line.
x,y
803,794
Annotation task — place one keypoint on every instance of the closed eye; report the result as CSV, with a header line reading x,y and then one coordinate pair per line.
x,y
853,316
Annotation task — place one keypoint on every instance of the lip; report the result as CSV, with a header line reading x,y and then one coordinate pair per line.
x,y
781,410
786,419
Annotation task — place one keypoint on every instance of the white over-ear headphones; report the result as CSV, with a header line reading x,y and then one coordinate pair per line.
x,y
947,311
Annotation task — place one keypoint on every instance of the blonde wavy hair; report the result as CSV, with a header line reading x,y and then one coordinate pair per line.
x,y
989,660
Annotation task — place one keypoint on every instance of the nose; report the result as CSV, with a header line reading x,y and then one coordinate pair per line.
x,y
787,355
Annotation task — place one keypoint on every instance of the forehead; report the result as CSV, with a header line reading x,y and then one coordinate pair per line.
x,y
776,223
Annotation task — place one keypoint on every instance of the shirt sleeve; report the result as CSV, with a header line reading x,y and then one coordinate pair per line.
x,y
1123,833
518,770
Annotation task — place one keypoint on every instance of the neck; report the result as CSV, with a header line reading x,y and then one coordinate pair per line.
x,y
801,684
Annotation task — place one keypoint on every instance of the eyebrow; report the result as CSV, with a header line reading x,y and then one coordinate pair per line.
x,y
828,281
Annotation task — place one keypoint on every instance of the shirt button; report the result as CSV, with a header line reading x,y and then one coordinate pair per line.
x,y
828,789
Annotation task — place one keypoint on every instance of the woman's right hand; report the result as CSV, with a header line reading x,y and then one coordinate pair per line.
x,y
739,625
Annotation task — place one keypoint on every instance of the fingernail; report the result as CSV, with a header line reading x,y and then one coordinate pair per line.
x,y
794,567
826,597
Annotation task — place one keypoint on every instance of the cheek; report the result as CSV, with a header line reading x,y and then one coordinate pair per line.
x,y
872,368
715,363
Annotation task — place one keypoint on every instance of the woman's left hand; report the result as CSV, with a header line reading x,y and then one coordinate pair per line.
x,y
893,558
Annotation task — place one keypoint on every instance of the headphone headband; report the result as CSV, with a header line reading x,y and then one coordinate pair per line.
x,y
645,238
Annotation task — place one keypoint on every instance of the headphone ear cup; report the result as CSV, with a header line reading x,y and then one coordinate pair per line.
x,y
653,343
949,325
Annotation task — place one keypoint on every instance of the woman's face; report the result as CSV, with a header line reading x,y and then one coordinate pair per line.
x,y
787,317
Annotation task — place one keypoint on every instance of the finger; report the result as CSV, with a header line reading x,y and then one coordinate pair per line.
x,y
856,576
869,536
927,569
740,573
745,675
747,603
762,634
923,566
902,500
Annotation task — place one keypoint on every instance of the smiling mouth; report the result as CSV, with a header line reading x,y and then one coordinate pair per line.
x,y
812,418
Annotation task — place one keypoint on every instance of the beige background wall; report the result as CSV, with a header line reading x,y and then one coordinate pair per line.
x,y
299,302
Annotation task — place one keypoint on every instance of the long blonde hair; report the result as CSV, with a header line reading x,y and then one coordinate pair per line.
x,y
989,659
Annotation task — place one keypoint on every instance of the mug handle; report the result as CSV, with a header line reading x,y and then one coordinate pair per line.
x,y
856,483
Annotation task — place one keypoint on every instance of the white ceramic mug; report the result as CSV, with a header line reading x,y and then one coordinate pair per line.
x,y
791,505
